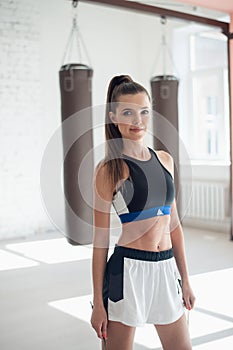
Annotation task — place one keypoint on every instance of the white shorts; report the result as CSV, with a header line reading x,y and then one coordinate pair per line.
x,y
142,287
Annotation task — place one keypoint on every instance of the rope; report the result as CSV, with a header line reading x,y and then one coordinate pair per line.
x,y
68,45
77,39
85,49
75,34
164,49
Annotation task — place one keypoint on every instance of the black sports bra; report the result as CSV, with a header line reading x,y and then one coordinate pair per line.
x,y
148,191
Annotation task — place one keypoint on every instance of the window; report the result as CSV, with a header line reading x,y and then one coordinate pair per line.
x,y
209,84
201,64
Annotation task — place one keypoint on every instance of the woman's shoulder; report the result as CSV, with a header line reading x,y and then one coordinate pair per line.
x,y
101,173
103,178
102,187
166,159
164,155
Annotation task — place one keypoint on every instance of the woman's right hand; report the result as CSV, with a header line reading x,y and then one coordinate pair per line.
x,y
99,321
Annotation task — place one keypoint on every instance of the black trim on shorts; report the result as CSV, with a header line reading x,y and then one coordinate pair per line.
x,y
145,255
114,272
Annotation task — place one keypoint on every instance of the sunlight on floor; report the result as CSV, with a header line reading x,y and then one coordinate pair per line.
x,y
10,261
201,324
214,291
224,344
54,251
51,251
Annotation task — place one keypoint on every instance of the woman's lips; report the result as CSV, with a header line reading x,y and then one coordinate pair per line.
x,y
137,129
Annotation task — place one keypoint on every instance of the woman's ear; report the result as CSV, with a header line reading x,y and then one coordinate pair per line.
x,y
112,116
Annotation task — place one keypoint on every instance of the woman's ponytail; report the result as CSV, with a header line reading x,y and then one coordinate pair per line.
x,y
118,86
116,81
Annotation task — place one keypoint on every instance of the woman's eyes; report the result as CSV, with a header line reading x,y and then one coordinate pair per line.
x,y
128,113
145,111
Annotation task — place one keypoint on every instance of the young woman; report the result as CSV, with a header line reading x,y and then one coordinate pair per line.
x,y
146,278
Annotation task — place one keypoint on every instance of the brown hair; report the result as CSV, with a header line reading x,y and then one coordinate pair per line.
x,y
119,85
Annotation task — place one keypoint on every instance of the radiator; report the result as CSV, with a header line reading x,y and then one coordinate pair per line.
x,y
205,200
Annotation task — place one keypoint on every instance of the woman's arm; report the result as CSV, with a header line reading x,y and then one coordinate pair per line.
x,y
102,207
177,239
100,254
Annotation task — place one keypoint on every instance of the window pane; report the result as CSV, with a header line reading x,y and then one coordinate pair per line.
x,y
202,62
208,51
208,113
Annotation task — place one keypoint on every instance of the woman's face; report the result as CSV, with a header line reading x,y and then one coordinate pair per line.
x,y
132,115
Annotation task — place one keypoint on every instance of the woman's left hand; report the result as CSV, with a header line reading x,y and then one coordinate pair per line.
x,y
188,296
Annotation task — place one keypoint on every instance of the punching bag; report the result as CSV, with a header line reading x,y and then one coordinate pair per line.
x,y
76,95
164,90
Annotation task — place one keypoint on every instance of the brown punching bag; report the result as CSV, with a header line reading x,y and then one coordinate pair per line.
x,y
164,90
76,95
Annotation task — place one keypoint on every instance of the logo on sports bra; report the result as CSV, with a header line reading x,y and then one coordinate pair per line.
x,y
159,212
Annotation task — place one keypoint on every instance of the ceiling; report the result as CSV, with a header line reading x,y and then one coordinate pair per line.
x,y
219,5
195,7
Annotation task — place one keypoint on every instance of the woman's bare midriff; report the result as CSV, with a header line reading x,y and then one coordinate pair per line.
x,y
151,234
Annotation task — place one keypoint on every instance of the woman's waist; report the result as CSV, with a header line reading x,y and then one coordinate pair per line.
x,y
146,245
156,238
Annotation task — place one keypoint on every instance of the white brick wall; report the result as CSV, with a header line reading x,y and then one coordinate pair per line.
x,y
21,212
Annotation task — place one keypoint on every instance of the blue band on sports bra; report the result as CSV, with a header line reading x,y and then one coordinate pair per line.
x,y
145,214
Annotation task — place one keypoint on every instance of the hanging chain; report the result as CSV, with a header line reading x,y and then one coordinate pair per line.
x,y
164,43
163,20
75,3
164,50
75,35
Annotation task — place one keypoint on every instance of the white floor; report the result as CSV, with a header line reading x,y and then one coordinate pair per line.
x,y
45,294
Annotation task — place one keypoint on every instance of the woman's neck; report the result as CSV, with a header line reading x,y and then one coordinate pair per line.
x,y
135,149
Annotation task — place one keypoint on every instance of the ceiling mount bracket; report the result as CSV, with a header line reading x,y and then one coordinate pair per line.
x,y
228,34
75,3
163,19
